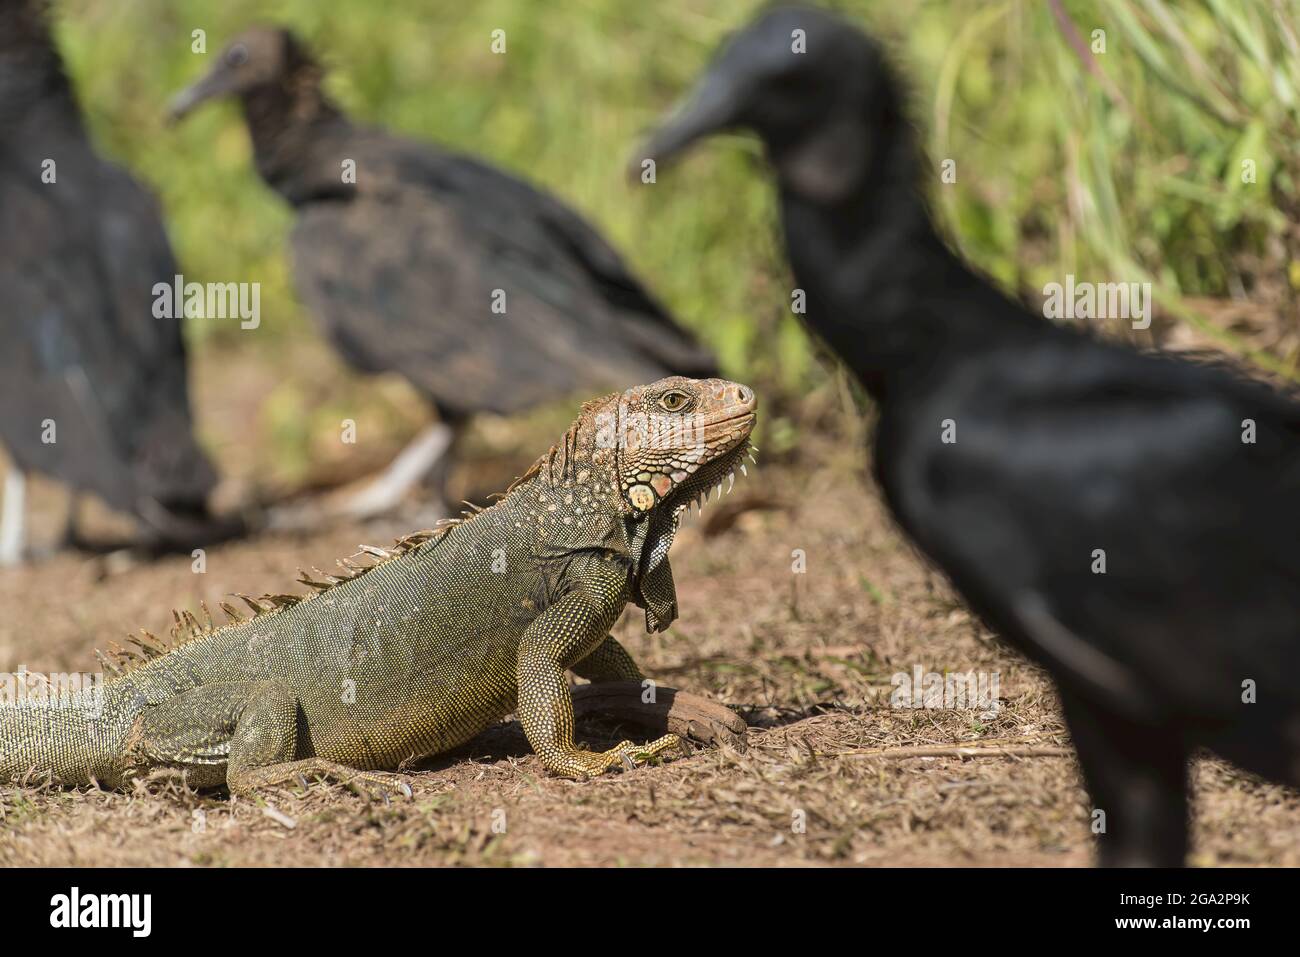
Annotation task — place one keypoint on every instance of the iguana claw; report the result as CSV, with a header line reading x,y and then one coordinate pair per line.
x,y
586,764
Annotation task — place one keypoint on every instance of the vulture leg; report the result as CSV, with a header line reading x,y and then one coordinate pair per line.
x,y
11,517
1137,776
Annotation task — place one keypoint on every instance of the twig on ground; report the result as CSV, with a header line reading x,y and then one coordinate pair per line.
x,y
994,749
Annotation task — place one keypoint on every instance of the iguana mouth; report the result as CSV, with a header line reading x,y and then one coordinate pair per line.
x,y
717,474
746,417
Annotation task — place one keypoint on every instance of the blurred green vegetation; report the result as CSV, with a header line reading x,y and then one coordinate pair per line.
x,y
1122,165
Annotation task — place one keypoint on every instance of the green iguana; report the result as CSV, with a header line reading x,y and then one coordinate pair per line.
x,y
414,654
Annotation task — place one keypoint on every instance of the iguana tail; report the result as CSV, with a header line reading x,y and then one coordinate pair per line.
x,y
54,733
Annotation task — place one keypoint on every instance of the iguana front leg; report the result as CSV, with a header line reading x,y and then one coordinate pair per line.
x,y
242,734
610,661
560,638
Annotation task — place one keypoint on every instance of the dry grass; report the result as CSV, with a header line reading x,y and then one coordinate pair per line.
x,y
807,659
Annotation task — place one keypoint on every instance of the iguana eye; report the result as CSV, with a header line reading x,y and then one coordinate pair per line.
x,y
237,55
674,401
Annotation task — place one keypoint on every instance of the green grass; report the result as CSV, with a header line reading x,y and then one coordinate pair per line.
x,y
1130,176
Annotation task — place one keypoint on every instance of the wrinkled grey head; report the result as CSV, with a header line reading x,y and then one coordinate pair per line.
x,y
802,79
259,57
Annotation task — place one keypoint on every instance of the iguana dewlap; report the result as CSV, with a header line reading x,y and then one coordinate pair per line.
x,y
446,633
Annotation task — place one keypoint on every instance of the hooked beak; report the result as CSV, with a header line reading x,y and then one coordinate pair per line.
x,y
216,84
713,106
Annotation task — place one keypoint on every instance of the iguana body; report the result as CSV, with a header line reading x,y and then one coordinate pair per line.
x,y
418,653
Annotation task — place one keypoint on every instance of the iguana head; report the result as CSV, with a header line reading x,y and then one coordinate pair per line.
x,y
674,440
626,469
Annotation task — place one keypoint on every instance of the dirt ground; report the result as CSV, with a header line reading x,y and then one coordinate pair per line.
x,y
806,657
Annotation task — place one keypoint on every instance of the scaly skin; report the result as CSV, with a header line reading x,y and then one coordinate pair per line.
x,y
417,654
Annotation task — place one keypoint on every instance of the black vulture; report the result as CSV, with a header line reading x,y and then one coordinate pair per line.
x,y
487,294
92,386
1131,521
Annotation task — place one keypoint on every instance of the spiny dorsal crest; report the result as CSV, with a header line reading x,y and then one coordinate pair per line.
x,y
186,627
558,459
